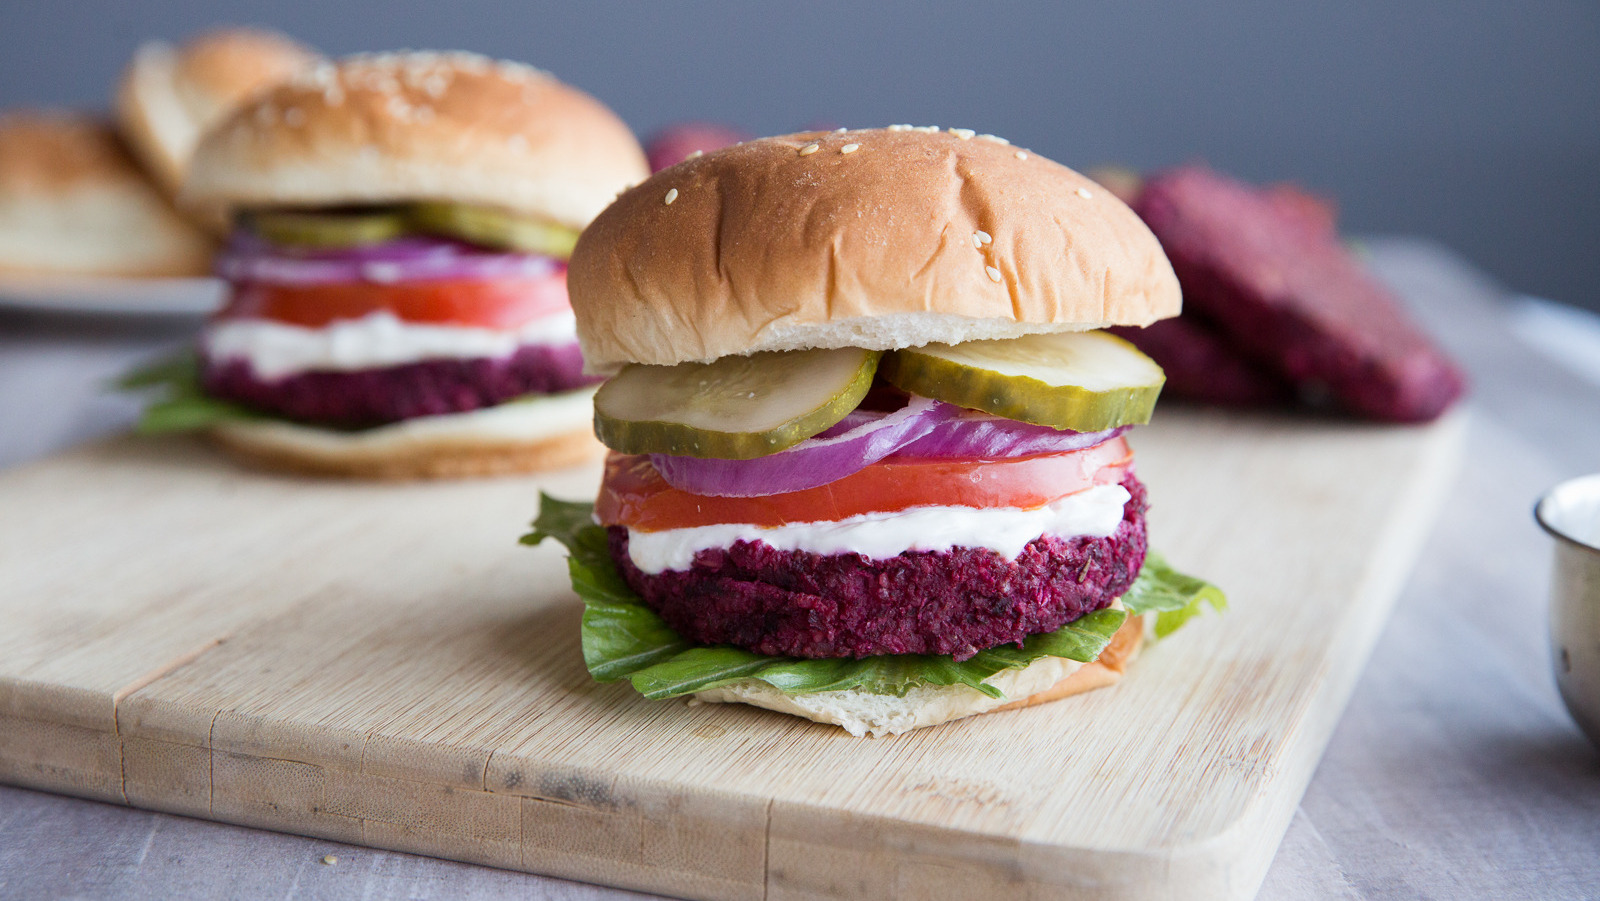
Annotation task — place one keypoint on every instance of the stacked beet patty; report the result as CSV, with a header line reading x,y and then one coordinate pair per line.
x,y
370,397
1276,307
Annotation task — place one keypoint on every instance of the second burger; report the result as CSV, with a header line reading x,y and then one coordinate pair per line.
x,y
397,266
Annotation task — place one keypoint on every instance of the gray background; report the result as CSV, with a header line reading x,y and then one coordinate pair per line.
x,y
1476,123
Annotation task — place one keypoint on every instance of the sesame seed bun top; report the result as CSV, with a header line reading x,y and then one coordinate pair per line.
x,y
419,126
169,96
880,238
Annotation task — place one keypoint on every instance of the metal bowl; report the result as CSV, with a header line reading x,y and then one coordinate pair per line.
x,y
1570,512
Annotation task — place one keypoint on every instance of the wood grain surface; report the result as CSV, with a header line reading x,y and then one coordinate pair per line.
x,y
383,665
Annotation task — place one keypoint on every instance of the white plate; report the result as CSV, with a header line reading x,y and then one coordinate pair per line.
x,y
111,295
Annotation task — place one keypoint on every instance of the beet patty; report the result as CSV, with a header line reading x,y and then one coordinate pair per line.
x,y
370,397
799,604
1273,278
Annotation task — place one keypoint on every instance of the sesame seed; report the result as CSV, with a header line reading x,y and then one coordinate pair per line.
x,y
964,134
994,274
930,129
810,149
294,117
850,148
977,242
1085,194
995,138
1022,154
695,153
329,859
840,131
672,195
983,237
899,128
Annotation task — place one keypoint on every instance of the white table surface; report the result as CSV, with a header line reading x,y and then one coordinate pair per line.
x,y
1455,772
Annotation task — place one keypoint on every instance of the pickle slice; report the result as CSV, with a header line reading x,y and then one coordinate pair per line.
x,y
735,408
495,228
327,228
1083,381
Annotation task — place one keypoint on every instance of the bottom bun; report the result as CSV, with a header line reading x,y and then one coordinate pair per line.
x,y
862,713
522,436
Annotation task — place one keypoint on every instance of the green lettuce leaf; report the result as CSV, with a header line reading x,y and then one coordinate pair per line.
x,y
179,403
1173,597
622,638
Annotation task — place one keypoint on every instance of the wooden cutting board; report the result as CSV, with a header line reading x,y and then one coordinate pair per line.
x,y
384,665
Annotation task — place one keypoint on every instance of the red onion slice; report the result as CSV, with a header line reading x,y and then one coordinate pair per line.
x,y
815,461
922,428
248,258
982,436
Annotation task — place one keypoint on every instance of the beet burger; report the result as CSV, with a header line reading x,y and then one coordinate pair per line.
x,y
397,263
868,457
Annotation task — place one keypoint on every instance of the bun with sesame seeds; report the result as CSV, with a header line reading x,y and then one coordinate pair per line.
x,y
74,203
169,95
882,238
404,127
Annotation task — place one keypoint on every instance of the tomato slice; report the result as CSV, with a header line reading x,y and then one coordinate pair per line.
x,y
633,494
486,303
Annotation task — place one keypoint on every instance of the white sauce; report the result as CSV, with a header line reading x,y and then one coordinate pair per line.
x,y
275,349
1094,512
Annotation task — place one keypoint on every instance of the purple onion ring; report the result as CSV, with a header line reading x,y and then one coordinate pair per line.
x,y
922,428
815,461
248,258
